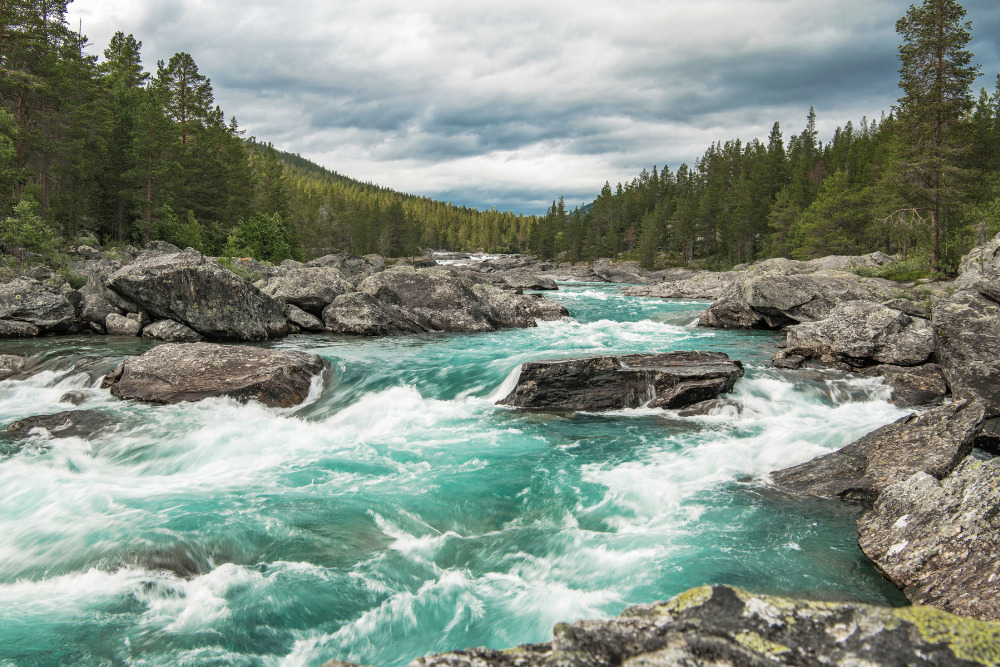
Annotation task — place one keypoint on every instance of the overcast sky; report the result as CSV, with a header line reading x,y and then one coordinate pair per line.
x,y
512,104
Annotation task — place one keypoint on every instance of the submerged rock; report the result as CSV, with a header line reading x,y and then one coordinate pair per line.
x,y
12,364
939,540
933,443
70,424
724,626
188,287
541,308
669,380
177,372
911,385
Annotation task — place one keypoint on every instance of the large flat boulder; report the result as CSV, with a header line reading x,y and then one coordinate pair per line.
x,y
938,540
967,337
762,299
177,372
28,304
189,288
933,443
687,285
859,334
668,380
310,288
722,626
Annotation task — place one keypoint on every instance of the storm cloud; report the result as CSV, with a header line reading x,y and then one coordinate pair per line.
x,y
514,104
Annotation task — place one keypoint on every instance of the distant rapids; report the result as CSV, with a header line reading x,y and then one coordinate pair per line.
x,y
400,511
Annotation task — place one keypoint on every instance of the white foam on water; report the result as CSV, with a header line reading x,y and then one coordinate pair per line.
x,y
508,385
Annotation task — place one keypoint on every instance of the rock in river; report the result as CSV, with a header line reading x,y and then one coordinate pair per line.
x,y
933,443
668,380
721,626
70,424
178,372
939,540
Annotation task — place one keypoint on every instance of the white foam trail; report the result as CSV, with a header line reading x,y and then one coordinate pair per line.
x,y
508,385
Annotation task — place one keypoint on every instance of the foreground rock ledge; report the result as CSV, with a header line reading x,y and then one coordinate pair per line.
x,y
720,625
173,373
669,380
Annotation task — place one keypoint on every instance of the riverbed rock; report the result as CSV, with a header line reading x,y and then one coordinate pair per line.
x,y
303,320
911,385
722,626
445,301
18,329
70,424
862,333
505,307
685,284
310,288
541,308
363,315
352,267
523,281
967,337
938,540
770,300
12,364
176,372
120,325
668,380
933,443
172,332
620,272
190,288
50,309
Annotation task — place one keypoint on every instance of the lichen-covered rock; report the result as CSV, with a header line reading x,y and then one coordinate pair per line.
x,y
12,364
18,329
522,281
939,540
120,325
967,337
687,285
620,272
50,309
189,288
363,315
310,288
508,311
541,308
669,380
177,372
933,443
770,300
721,626
351,267
172,332
911,385
860,333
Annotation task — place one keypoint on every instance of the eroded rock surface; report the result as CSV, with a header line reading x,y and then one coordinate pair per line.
x,y
32,306
933,443
967,338
310,288
721,626
939,540
177,372
669,380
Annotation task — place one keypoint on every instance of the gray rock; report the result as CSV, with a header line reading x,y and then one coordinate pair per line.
x,y
189,288
933,443
72,424
939,540
51,309
177,372
17,329
765,300
172,332
620,272
363,315
687,285
981,264
508,311
119,325
310,288
859,333
522,281
988,439
967,337
541,308
351,267
12,364
911,385
721,626
668,380
302,319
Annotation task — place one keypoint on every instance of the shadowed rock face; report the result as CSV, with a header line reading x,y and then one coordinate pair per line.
x,y
173,373
939,540
723,626
670,380
191,289
933,443
310,288
71,424
967,337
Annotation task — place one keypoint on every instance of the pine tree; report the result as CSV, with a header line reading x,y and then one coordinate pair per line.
x,y
936,78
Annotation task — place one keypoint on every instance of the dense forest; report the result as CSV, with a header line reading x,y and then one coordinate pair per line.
x,y
101,150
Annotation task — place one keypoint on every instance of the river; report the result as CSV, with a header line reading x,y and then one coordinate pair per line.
x,y
400,511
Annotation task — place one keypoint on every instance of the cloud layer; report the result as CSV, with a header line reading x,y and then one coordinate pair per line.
x,y
513,104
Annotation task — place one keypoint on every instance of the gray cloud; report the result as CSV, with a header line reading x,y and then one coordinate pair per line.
x,y
515,104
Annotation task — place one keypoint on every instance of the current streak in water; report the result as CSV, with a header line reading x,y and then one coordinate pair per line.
x,y
401,512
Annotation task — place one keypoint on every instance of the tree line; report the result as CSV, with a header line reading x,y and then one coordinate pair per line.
x,y
104,149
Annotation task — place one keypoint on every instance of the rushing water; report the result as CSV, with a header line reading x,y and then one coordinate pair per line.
x,y
400,511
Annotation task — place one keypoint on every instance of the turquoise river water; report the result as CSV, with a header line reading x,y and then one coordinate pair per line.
x,y
401,512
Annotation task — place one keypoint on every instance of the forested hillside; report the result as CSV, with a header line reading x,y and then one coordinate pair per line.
x,y
102,149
